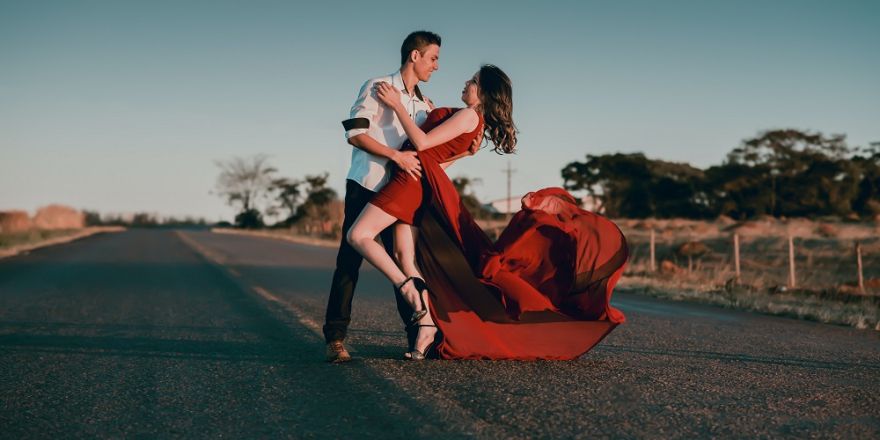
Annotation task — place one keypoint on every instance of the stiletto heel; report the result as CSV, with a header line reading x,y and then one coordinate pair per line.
x,y
420,286
420,355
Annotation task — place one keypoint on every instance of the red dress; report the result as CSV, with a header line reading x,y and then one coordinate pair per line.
x,y
541,291
403,197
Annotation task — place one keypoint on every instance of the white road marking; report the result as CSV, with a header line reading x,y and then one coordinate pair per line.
x,y
298,313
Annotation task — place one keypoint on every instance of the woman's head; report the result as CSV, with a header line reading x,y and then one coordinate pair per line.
x,y
491,87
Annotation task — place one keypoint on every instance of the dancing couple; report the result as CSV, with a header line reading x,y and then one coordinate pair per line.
x,y
541,291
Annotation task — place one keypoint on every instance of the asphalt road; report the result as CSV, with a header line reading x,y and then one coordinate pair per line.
x,y
192,334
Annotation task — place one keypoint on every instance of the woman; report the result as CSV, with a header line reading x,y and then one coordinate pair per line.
x,y
486,304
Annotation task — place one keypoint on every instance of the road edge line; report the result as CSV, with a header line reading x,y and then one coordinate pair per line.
x,y
243,284
309,241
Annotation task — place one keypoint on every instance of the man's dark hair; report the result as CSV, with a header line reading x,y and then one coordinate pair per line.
x,y
417,40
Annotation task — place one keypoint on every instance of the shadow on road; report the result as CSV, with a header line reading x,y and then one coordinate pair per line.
x,y
714,355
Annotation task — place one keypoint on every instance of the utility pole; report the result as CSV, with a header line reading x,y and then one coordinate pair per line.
x,y
509,171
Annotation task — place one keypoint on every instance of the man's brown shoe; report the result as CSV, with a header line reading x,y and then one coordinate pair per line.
x,y
337,353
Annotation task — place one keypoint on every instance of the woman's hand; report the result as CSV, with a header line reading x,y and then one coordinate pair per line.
x,y
388,94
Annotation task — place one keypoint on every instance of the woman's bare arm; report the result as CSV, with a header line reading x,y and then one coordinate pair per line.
x,y
462,121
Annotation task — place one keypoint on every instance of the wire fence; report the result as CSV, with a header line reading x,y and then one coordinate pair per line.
x,y
771,260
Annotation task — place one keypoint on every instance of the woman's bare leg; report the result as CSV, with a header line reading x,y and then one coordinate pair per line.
x,y
405,249
405,237
362,237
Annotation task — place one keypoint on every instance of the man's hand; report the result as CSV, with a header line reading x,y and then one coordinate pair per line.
x,y
430,103
475,145
408,161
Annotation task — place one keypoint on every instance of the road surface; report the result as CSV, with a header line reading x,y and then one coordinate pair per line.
x,y
159,333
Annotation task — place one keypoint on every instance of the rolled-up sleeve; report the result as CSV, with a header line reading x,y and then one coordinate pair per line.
x,y
363,112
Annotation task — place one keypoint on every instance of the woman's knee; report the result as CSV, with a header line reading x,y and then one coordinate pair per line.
x,y
355,235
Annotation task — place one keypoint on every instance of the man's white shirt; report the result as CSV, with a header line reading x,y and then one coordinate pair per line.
x,y
370,116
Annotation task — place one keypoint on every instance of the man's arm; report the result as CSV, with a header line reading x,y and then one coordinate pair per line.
x,y
406,160
363,114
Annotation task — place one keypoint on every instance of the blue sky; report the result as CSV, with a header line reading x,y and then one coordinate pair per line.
x,y
124,106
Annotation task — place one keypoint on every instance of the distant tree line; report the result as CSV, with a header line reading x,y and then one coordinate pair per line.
x,y
141,220
781,173
252,186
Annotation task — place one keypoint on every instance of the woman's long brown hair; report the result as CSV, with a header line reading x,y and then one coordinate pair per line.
x,y
496,95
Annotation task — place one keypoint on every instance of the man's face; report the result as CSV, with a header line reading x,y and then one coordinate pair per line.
x,y
426,62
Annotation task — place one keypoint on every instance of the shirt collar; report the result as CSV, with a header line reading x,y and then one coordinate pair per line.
x,y
397,81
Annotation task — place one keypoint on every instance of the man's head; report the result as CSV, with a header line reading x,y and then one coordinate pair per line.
x,y
422,49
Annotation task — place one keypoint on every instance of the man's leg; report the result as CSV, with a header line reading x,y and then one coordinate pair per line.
x,y
348,263
403,308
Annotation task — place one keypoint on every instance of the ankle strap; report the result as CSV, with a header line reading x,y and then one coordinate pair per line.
x,y
408,279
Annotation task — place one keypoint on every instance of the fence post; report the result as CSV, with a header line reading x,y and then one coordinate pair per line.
x,y
736,257
791,274
653,255
859,266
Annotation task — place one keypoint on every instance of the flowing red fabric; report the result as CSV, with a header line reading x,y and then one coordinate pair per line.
x,y
541,291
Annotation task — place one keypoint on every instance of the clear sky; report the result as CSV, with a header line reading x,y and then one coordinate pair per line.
x,y
124,106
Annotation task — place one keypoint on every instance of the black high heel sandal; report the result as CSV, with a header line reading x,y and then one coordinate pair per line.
x,y
416,354
420,286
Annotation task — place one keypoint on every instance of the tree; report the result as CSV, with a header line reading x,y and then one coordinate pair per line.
x,y
618,182
287,196
249,219
92,218
318,194
316,209
867,161
678,190
631,185
464,187
245,183
144,219
778,172
799,173
738,190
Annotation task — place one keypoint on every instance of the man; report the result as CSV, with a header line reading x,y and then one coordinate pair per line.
x,y
376,136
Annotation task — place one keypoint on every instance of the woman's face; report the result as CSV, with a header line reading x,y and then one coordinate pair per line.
x,y
470,95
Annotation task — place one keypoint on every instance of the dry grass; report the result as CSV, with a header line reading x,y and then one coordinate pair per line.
x,y
862,312
18,242
8,240
825,267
